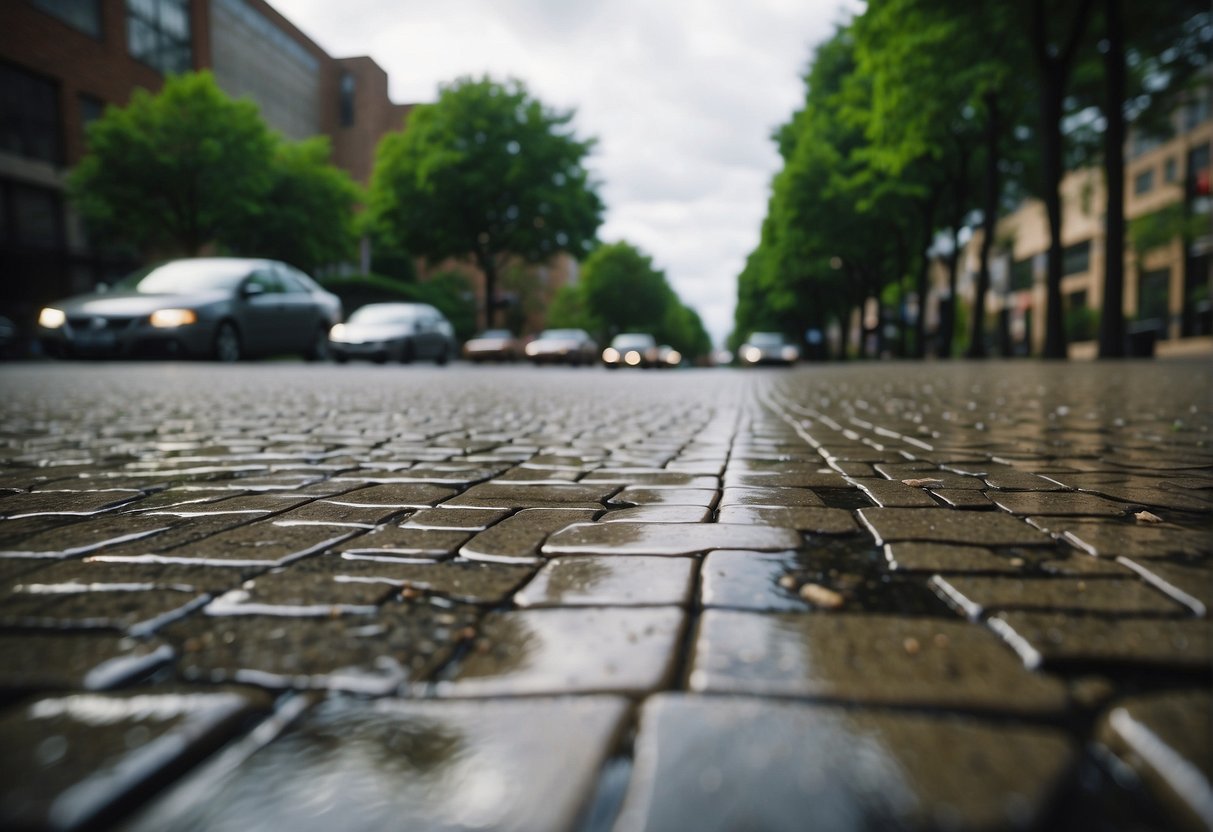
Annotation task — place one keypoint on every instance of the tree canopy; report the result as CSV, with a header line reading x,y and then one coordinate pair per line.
x,y
622,291
188,167
489,174
922,122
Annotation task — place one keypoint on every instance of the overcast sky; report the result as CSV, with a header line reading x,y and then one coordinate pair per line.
x,y
682,96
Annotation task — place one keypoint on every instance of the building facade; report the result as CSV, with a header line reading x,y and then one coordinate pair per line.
x,y
1168,263
63,61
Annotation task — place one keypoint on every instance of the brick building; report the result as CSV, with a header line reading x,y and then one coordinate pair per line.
x,y
1168,288
63,61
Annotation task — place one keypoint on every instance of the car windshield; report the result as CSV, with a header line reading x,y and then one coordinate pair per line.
x,y
633,341
495,333
383,314
182,276
561,335
766,339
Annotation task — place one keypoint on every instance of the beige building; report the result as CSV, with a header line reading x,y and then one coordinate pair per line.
x,y
1167,287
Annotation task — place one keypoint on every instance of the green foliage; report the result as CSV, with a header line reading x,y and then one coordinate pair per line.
x,y
449,292
486,172
1082,323
622,291
1159,228
188,167
307,215
174,171
567,310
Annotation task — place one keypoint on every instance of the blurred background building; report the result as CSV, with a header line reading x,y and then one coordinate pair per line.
x,y
1168,254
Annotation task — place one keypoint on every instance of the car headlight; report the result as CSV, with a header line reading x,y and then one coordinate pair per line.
x,y
532,348
610,355
632,358
170,318
790,353
337,332
673,357
752,354
52,318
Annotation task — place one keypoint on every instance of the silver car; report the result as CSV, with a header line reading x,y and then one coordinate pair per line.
x,y
225,308
397,331
562,346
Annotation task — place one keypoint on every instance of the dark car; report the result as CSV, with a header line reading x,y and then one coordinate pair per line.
x,y
225,308
562,346
631,349
396,331
768,348
492,345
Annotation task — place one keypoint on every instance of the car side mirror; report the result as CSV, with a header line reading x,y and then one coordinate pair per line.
x,y
251,290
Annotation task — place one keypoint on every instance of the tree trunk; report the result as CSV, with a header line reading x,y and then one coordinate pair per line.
x,y
1051,111
924,273
488,265
947,309
1112,317
1054,65
989,223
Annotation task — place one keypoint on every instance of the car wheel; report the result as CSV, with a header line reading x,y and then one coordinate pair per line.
x,y
444,355
341,358
319,350
406,352
227,347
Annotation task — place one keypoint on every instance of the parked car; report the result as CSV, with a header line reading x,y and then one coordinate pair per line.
x,y
768,348
225,308
631,349
397,331
562,346
668,357
492,345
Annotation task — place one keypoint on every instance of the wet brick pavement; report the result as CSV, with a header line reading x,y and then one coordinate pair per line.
x,y
867,597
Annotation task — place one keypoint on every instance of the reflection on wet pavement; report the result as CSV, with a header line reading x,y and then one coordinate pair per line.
x,y
943,596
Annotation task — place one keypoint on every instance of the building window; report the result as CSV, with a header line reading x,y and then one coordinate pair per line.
x,y
1198,170
1152,295
348,88
1076,259
158,33
1170,171
1143,182
91,108
1080,321
32,216
30,125
84,15
1021,275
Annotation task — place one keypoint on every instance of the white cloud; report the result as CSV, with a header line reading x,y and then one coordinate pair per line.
x,y
682,97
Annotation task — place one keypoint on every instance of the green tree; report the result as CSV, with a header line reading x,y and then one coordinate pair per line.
x,y
175,171
623,291
487,173
307,215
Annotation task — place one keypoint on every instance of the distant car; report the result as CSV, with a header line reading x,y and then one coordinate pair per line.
x,y
492,345
631,349
668,357
768,348
562,346
225,308
396,331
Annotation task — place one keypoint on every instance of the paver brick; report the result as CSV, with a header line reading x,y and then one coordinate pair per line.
x,y
544,651
891,525
666,538
586,580
726,762
873,659
70,758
